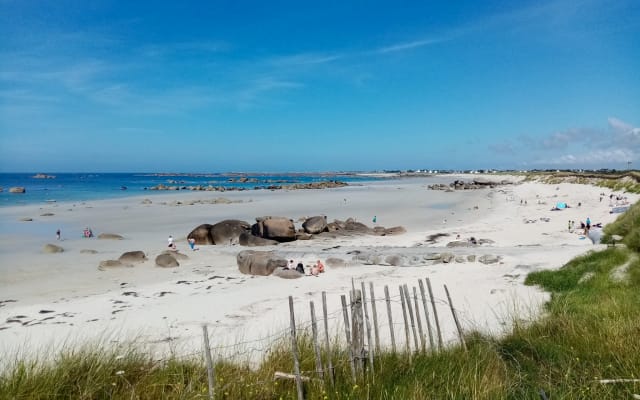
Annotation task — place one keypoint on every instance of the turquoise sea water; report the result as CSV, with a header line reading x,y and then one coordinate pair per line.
x,y
93,186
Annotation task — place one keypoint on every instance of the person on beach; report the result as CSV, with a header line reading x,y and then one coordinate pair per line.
x,y
58,234
320,266
192,243
588,223
170,241
292,265
375,219
300,268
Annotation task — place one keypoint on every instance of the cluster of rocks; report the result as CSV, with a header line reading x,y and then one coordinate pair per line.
x,y
167,259
43,176
417,260
210,188
476,183
271,230
266,263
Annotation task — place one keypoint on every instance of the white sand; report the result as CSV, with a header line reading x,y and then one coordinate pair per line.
x,y
166,307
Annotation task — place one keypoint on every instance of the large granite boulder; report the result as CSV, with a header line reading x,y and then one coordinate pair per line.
x,y
247,239
166,261
315,224
201,234
131,257
52,248
259,262
275,228
228,231
355,226
223,232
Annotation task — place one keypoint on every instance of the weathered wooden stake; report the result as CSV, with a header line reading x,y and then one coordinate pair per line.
x,y
435,313
368,326
426,315
455,318
208,361
326,336
415,299
347,332
294,348
316,346
407,298
375,317
407,334
388,299
357,330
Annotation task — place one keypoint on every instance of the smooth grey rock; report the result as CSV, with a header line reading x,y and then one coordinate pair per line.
x,y
52,248
166,261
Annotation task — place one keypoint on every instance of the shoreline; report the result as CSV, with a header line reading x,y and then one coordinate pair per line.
x,y
94,301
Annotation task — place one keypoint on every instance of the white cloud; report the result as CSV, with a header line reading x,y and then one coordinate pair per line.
x,y
409,45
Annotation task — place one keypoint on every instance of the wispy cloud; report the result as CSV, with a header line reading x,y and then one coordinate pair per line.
x,y
394,48
303,59
577,147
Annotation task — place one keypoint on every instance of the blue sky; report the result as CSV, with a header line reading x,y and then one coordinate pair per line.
x,y
222,86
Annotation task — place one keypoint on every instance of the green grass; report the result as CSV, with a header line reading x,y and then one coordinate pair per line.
x,y
590,330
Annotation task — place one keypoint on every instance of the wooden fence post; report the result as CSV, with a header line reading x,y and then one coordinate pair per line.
x,y
209,362
388,299
420,331
375,317
407,297
368,326
426,315
316,346
455,318
407,334
326,336
357,330
347,332
435,313
294,348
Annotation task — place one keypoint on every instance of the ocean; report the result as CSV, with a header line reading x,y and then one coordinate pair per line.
x,y
61,187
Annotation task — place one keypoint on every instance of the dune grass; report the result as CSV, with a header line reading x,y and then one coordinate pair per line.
x,y
590,331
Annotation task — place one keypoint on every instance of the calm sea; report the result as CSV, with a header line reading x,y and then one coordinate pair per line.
x,y
93,186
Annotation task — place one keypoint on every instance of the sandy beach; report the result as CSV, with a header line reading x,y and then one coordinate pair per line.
x,y
50,300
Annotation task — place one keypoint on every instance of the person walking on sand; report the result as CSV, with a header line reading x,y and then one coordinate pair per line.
x,y
375,219
58,234
170,241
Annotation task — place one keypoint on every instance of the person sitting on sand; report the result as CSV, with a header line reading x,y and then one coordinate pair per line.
x,y
291,265
314,270
320,266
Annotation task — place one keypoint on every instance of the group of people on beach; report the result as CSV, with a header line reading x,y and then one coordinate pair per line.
x,y
314,270
172,246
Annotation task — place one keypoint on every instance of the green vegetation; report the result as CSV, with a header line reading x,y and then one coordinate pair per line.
x,y
627,181
590,331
